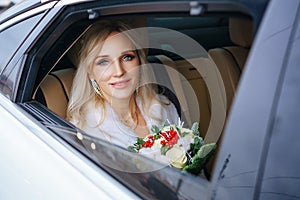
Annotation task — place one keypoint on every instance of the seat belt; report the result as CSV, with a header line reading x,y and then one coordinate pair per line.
x,y
177,86
164,84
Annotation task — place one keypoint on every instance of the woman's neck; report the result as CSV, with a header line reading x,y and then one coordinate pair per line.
x,y
122,107
131,116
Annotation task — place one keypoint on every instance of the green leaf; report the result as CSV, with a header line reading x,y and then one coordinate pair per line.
x,y
196,165
156,136
200,159
139,141
198,140
183,134
207,150
132,149
164,149
195,128
194,147
155,129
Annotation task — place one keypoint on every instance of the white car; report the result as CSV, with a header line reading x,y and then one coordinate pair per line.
x,y
234,69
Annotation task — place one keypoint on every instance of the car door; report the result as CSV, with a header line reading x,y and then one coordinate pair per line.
x,y
258,156
54,132
280,176
34,165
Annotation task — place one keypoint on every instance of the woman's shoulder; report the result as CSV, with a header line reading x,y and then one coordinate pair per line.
x,y
168,107
166,102
163,99
90,115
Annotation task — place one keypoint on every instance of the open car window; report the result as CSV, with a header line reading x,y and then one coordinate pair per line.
x,y
140,174
178,47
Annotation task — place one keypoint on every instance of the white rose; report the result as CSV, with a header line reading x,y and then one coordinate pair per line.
x,y
177,156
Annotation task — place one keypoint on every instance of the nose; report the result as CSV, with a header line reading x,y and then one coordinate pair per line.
x,y
118,68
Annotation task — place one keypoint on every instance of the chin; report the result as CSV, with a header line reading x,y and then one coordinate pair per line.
x,y
122,95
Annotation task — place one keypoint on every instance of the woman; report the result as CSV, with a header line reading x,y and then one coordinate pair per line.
x,y
108,98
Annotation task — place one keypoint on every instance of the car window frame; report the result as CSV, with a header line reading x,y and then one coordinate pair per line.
x,y
26,98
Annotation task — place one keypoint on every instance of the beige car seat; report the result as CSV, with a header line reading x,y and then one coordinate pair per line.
x,y
56,89
230,60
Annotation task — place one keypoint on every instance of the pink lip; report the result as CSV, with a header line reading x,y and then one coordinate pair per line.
x,y
120,84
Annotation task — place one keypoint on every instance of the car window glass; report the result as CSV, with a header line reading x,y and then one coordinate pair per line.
x,y
12,38
142,175
171,43
208,28
163,41
177,40
8,79
281,178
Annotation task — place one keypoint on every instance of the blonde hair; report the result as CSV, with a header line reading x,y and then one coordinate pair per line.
x,y
82,93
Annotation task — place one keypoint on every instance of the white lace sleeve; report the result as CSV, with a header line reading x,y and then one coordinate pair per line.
x,y
171,112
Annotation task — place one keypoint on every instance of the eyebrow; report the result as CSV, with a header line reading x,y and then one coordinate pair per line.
x,y
124,52
128,51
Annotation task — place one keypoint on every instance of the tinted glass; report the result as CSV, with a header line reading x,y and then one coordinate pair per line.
x,y
178,46
12,38
145,177
8,79
281,179
152,180
246,137
207,28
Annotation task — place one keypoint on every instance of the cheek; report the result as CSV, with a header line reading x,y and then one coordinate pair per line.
x,y
101,75
134,71
132,67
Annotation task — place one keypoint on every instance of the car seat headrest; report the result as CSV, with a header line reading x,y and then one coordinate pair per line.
x,y
241,31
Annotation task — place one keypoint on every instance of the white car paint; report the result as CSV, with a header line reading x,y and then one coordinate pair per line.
x,y
39,167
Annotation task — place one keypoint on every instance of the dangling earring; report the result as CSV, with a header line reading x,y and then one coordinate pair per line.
x,y
137,90
96,87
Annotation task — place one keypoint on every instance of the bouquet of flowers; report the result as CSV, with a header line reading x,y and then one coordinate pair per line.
x,y
180,147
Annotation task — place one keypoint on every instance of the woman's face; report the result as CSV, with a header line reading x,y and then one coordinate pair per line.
x,y
116,67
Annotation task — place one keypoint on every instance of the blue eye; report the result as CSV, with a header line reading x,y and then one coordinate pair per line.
x,y
128,57
103,62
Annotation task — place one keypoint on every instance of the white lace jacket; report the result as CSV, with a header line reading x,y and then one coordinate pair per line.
x,y
114,131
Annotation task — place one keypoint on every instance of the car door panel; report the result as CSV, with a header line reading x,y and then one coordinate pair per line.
x,y
241,161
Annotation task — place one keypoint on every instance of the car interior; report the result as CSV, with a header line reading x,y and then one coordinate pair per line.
x,y
225,41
